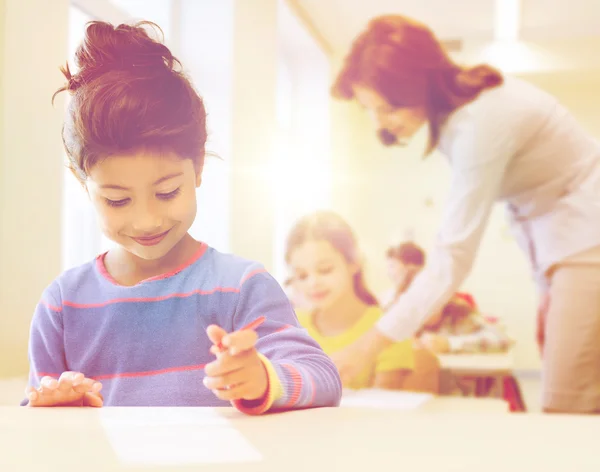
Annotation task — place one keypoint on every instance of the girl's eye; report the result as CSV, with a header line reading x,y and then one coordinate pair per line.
x,y
169,195
117,203
325,270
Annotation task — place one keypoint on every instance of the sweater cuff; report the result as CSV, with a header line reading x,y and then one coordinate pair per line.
x,y
273,393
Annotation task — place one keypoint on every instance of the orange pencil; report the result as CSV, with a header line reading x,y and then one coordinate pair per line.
x,y
252,325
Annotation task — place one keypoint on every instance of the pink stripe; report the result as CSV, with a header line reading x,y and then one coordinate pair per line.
x,y
52,307
252,274
197,255
151,299
150,373
314,390
297,386
283,328
47,374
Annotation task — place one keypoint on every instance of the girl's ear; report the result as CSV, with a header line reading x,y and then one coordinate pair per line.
x,y
354,268
198,179
358,265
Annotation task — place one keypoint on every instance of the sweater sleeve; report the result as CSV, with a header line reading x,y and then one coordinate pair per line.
x,y
301,375
46,345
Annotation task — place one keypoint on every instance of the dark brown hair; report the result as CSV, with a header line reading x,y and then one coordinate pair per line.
x,y
404,62
129,95
453,313
331,227
407,253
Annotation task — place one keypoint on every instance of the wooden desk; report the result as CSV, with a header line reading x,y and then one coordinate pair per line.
x,y
478,364
481,367
332,439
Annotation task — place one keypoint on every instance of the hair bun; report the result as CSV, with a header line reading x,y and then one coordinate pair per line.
x,y
105,46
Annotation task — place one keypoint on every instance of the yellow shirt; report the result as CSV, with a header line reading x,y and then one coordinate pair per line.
x,y
396,357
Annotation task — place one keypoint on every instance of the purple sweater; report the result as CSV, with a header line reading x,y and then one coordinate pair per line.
x,y
148,346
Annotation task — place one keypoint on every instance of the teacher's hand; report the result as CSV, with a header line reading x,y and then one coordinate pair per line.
x,y
357,357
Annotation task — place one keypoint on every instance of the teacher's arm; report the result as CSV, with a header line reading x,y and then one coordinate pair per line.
x,y
472,194
479,157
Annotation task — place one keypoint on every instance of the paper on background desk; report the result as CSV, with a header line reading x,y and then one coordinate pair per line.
x,y
385,399
174,436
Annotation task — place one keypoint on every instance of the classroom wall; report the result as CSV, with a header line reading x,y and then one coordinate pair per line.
x,y
34,43
252,209
391,194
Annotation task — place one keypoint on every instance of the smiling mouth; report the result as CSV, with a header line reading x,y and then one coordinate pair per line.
x,y
318,296
151,240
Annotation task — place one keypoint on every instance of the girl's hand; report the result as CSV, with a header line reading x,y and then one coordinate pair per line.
x,y
238,373
71,389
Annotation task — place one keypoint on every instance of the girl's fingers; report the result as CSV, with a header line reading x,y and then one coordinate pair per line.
x,y
47,385
93,400
240,376
215,333
240,341
232,393
226,363
88,385
32,394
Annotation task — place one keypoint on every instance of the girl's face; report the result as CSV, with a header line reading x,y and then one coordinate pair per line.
x,y
145,203
402,123
396,270
321,273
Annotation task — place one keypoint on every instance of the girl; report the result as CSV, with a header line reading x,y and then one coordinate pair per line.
x,y
505,140
322,253
459,328
403,263
142,320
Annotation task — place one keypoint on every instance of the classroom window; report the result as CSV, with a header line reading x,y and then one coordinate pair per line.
x,y
302,180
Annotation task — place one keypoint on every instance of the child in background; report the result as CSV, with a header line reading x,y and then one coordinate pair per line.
x,y
143,321
459,328
323,256
403,263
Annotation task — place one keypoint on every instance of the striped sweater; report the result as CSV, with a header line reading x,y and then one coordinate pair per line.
x,y
148,345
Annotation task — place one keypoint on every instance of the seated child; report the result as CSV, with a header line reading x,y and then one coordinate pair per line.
x,y
403,263
459,327
323,256
158,320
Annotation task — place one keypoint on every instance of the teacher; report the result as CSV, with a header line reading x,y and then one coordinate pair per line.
x,y
505,140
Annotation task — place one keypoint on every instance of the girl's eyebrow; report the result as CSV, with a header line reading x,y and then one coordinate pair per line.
x,y
162,179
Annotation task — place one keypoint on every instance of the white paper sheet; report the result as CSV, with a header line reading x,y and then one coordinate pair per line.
x,y
385,399
174,436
